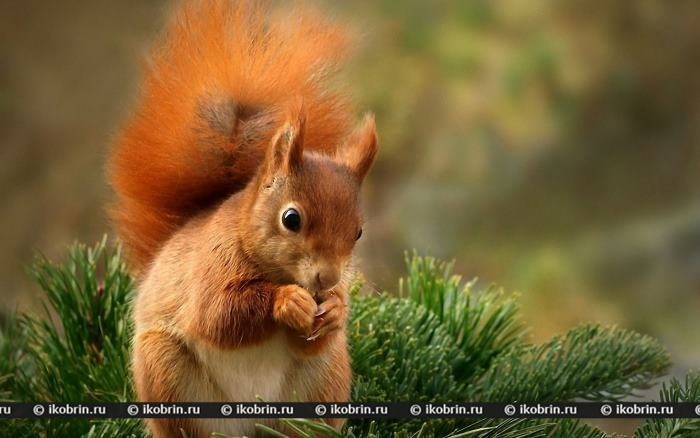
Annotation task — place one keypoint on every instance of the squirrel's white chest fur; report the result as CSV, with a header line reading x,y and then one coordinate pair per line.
x,y
267,372
248,374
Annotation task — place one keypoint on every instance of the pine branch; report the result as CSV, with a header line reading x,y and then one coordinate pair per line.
x,y
675,391
13,340
401,352
574,428
509,428
85,356
590,362
483,324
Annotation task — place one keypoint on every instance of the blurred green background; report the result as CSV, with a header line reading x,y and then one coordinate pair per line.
x,y
551,147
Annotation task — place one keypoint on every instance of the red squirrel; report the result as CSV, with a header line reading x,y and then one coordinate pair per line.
x,y
237,183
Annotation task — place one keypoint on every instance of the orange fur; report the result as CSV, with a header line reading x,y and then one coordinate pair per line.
x,y
156,384
236,126
214,93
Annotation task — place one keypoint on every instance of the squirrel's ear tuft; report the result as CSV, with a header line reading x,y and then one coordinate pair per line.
x,y
360,148
287,147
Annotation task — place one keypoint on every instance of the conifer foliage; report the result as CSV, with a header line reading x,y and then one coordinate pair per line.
x,y
437,339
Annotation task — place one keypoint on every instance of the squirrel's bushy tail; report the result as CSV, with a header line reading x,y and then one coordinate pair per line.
x,y
214,93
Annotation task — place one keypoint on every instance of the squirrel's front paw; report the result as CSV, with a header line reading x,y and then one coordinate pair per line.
x,y
331,316
295,308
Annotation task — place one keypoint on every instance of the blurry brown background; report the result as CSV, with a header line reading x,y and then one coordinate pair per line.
x,y
551,147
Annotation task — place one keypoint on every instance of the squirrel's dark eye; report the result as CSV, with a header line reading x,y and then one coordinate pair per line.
x,y
359,234
291,219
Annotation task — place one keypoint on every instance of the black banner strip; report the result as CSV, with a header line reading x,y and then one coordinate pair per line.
x,y
351,410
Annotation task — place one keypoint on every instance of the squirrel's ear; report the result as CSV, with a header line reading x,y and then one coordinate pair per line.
x,y
360,148
288,145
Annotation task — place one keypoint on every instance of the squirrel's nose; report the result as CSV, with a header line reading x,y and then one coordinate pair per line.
x,y
327,278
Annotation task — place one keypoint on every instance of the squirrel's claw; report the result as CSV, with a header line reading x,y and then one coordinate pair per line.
x,y
324,330
315,335
330,316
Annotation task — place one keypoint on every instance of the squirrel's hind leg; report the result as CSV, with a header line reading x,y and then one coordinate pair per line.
x,y
166,371
326,377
